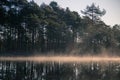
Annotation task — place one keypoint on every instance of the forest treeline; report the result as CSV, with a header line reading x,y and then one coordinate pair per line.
x,y
27,27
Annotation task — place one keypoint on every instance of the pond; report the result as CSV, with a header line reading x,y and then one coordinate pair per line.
x,y
30,70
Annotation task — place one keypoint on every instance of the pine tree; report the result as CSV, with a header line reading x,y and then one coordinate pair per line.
x,y
94,12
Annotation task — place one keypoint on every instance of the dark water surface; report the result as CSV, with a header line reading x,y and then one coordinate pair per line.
x,y
26,70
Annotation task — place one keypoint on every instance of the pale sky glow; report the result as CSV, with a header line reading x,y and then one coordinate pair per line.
x,y
111,6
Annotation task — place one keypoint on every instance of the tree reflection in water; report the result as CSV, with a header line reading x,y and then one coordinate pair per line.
x,y
58,71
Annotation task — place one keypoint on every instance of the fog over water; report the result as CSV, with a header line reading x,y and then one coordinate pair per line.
x,y
64,59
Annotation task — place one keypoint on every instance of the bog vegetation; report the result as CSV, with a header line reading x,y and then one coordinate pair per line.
x,y
27,28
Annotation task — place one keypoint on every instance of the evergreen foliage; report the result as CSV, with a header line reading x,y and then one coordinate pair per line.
x,y
26,27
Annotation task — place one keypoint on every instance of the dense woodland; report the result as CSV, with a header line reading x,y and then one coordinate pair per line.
x,y
26,27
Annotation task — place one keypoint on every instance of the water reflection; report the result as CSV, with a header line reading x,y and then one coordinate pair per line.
x,y
58,71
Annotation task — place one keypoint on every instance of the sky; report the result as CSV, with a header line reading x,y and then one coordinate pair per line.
x,y
111,17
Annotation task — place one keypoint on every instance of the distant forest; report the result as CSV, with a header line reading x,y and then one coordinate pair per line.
x,y
26,27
